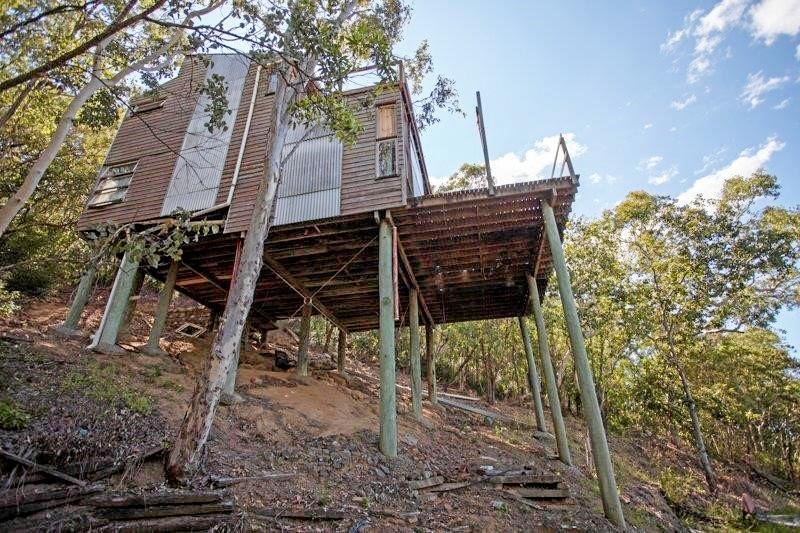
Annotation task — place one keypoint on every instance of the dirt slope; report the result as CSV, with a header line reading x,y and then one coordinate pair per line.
x,y
76,405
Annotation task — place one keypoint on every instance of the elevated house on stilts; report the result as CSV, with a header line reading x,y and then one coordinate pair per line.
x,y
359,236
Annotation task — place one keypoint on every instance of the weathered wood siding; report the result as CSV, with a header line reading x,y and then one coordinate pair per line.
x,y
361,190
154,139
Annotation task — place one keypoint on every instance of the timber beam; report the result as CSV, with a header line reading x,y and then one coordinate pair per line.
x,y
295,284
411,277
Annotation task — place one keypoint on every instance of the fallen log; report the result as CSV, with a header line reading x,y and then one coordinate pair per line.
x,y
147,500
172,523
159,511
42,468
302,514
18,498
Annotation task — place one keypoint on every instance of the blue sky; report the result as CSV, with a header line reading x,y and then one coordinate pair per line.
x,y
669,97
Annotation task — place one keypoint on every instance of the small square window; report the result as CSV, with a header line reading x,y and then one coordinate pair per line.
x,y
386,158
113,184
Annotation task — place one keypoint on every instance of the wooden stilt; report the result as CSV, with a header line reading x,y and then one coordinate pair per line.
x,y
160,320
549,376
591,408
388,400
416,370
305,338
79,301
533,376
430,333
342,352
105,339
133,299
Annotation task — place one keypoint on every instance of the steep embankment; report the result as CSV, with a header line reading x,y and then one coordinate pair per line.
x,y
63,406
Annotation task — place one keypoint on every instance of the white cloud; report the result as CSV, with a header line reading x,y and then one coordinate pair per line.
x,y
596,178
648,125
649,163
749,160
680,105
663,177
710,160
797,53
773,18
673,129
708,31
782,105
536,162
757,86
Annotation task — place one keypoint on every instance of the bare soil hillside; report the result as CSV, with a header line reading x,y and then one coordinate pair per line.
x,y
63,406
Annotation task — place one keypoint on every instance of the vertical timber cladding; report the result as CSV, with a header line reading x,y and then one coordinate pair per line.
x,y
198,171
153,139
312,176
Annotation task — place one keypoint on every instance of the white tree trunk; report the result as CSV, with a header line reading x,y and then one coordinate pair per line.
x,y
37,170
196,424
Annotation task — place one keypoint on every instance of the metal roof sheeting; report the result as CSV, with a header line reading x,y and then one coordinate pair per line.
x,y
198,171
311,177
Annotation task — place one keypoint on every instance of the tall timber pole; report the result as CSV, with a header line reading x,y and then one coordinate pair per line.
x,y
341,352
79,301
549,375
305,338
153,347
416,366
388,394
430,335
533,376
105,339
482,131
591,408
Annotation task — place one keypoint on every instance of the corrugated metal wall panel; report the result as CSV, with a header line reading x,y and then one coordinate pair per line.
x,y
309,206
197,172
311,178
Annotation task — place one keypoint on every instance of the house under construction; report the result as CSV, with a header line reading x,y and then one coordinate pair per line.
x,y
359,236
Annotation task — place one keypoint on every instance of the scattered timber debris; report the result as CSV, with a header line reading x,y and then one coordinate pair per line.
x,y
544,488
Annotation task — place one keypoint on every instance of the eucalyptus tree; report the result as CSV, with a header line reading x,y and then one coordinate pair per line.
x,y
314,46
84,52
713,267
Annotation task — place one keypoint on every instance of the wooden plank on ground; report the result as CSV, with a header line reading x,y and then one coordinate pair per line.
x,y
419,484
42,468
537,493
159,511
144,500
525,479
447,487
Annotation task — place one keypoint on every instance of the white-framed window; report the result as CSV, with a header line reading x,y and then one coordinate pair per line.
x,y
386,141
113,184
386,158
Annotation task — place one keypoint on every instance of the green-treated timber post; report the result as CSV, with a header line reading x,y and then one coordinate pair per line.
x,y
133,300
533,376
82,294
160,320
105,339
388,400
591,408
341,355
549,375
416,366
430,333
305,338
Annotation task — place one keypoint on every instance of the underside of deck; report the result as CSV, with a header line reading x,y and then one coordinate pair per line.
x,y
466,251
